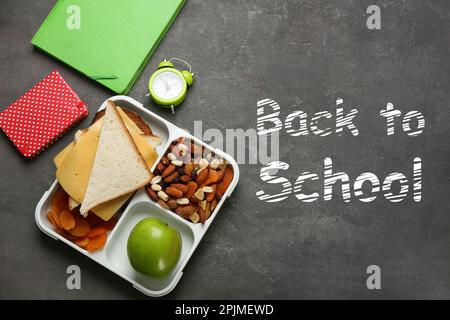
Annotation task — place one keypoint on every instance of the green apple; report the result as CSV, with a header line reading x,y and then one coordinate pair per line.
x,y
154,247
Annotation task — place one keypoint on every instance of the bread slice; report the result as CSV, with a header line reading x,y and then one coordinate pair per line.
x,y
142,127
118,167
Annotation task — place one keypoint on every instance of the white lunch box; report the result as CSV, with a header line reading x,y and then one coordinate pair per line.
x,y
114,255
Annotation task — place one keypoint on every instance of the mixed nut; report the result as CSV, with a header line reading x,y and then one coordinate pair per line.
x,y
190,180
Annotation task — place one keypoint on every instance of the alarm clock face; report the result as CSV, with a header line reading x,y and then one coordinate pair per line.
x,y
168,85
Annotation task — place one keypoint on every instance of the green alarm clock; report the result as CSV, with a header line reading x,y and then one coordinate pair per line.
x,y
168,86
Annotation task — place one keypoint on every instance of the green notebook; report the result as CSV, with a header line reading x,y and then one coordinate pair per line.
x,y
110,41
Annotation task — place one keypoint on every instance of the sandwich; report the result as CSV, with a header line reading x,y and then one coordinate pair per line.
x,y
107,162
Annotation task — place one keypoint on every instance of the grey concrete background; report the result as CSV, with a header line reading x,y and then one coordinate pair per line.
x,y
304,54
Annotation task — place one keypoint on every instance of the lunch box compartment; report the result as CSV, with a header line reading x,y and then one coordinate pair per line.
x,y
114,255
116,248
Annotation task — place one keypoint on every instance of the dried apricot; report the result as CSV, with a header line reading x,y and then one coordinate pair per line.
x,y
82,242
211,196
96,242
81,229
225,183
55,215
213,176
66,220
50,218
96,231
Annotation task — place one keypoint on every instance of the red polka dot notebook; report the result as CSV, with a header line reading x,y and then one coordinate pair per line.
x,y
42,115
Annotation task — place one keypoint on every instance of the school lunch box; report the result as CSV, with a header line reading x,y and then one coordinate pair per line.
x,y
113,255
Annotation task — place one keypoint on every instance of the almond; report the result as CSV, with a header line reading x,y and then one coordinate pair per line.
x,y
163,204
174,192
173,203
193,200
160,167
185,178
208,210
172,177
185,211
168,171
182,187
213,205
202,214
152,194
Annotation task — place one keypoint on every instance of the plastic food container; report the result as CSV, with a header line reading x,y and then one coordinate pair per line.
x,y
114,255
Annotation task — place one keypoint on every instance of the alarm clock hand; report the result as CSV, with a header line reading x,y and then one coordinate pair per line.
x,y
166,84
173,84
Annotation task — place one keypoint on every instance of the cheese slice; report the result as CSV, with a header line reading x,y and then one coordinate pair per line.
x,y
62,155
75,169
108,209
74,164
131,126
73,204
